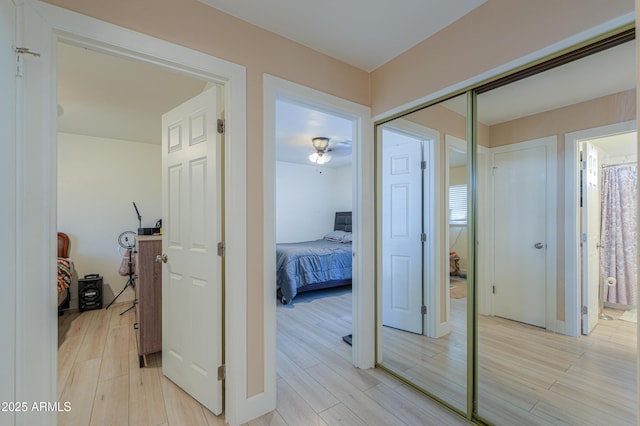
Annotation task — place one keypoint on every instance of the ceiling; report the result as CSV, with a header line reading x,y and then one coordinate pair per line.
x,y
116,98
610,71
112,97
296,125
621,147
363,33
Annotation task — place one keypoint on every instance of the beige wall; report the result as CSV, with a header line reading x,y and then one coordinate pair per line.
x,y
606,110
495,33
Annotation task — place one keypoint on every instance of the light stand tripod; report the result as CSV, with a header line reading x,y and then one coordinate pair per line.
x,y
130,282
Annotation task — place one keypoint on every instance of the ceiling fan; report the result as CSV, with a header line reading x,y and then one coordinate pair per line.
x,y
323,146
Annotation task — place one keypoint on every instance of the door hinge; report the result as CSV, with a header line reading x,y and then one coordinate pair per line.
x,y
423,237
21,51
423,165
493,170
423,310
584,310
221,126
584,237
222,372
493,289
222,248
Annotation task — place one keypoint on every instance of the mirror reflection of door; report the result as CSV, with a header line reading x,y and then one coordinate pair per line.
x,y
402,230
523,191
423,316
590,225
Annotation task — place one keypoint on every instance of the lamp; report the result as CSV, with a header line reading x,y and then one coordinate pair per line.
x,y
321,145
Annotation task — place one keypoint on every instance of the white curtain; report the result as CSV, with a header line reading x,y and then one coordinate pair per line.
x,y
619,233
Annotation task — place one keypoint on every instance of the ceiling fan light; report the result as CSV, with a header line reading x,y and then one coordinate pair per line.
x,y
319,158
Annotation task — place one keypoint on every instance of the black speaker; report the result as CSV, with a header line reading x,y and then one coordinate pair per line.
x,y
90,292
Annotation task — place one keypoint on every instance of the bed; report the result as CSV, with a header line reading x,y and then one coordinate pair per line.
x,y
65,273
314,265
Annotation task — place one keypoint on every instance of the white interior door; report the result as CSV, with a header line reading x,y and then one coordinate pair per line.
x,y
402,232
192,227
520,204
590,238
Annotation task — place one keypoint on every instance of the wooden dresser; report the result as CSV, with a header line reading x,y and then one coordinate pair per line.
x,y
148,296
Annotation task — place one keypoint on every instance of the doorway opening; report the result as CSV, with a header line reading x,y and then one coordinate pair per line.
x,y
109,154
608,229
313,232
355,119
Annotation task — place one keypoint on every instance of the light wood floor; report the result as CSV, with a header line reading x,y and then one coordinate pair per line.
x,y
527,375
98,374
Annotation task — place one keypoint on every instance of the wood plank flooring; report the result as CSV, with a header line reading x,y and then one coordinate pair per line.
x,y
317,385
527,375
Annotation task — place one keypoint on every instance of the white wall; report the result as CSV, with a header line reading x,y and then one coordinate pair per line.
x,y
307,198
98,179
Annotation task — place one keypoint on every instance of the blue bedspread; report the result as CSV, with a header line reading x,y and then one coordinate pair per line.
x,y
310,262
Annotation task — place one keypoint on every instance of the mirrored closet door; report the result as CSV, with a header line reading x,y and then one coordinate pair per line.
x,y
507,243
423,249
556,306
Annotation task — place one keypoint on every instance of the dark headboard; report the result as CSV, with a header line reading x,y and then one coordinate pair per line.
x,y
342,222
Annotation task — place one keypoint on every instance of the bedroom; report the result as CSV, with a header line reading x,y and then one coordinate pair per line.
x,y
102,168
313,205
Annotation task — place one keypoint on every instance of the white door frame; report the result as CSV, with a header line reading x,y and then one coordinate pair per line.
x,y
362,177
64,25
550,142
484,228
572,220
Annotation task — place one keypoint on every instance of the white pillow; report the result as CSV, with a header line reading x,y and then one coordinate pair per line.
x,y
335,236
348,237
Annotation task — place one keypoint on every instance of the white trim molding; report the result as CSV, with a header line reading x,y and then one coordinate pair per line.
x,y
572,218
71,27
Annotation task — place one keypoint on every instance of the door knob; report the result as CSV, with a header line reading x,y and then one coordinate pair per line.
x,y
161,258
539,246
